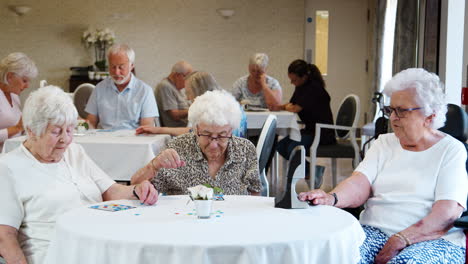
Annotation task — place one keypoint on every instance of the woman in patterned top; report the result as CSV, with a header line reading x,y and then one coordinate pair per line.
x,y
208,154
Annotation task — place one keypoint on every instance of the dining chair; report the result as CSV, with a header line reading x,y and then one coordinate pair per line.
x,y
81,96
265,146
346,145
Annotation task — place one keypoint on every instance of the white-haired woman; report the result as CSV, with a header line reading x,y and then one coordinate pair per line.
x,y
258,89
196,84
413,181
16,72
47,176
209,154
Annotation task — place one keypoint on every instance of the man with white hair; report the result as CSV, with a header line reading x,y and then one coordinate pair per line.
x,y
122,101
258,89
171,97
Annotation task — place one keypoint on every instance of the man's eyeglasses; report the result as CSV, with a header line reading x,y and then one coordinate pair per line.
x,y
400,112
219,138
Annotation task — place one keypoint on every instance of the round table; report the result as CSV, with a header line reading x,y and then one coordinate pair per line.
x,y
242,229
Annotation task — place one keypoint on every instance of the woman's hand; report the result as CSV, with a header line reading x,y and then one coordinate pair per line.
x,y
146,192
317,197
168,159
148,130
393,246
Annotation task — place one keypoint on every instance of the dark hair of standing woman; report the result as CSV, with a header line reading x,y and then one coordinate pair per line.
x,y
301,68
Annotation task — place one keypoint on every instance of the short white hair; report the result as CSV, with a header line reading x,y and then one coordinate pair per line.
x,y
429,92
217,108
182,67
19,64
259,59
48,105
122,48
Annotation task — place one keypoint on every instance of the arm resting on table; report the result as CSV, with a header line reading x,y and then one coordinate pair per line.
x,y
10,249
353,191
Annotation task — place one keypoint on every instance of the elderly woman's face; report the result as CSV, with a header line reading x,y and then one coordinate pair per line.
x,y
50,146
255,71
17,83
411,125
213,140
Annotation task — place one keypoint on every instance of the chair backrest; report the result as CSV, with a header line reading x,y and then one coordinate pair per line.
x,y
159,103
456,125
348,114
81,96
264,147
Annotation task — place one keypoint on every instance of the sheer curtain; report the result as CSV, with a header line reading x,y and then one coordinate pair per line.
x,y
386,11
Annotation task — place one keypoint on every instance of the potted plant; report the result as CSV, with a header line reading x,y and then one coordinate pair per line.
x,y
203,199
101,39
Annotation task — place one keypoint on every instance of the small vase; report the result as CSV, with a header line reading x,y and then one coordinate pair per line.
x,y
203,208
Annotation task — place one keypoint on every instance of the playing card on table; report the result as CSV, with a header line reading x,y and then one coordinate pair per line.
x,y
112,207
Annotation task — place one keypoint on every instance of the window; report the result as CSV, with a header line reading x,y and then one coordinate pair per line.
x,y
321,41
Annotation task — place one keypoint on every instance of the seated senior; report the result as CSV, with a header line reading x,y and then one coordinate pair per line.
x,y
122,101
47,176
258,89
208,154
413,181
171,96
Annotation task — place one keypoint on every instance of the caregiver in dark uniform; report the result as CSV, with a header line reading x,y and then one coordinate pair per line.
x,y
311,102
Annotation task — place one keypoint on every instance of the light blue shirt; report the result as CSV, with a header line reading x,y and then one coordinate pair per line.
x,y
122,110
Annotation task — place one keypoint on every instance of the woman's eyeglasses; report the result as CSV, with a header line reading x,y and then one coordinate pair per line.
x,y
219,138
400,112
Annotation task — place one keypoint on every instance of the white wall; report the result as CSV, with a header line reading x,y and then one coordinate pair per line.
x,y
161,32
465,48
451,43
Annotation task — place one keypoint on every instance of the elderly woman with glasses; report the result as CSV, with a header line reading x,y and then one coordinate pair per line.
x,y
47,176
412,182
210,154
16,72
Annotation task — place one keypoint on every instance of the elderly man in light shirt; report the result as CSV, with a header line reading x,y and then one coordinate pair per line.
x,y
122,101
170,94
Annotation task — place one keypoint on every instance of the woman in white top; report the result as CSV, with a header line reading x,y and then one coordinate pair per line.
x,y
47,176
413,182
16,71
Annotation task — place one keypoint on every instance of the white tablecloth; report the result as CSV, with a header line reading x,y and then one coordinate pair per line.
x,y
286,123
120,153
242,229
